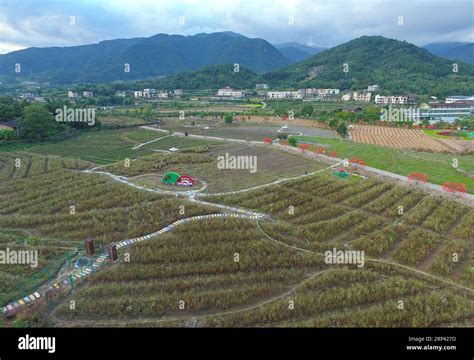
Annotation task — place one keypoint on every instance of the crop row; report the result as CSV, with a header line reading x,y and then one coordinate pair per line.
x,y
416,247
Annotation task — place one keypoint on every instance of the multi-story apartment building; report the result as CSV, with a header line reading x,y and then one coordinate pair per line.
x,y
289,95
361,96
391,100
149,93
315,91
87,94
372,88
72,94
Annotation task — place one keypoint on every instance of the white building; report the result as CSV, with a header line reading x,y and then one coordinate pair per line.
x,y
261,86
229,92
328,91
372,88
149,93
277,94
88,94
138,94
72,94
452,99
346,97
290,95
162,95
121,93
450,111
391,100
177,92
361,96
314,91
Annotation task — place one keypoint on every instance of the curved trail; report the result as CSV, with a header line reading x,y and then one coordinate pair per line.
x,y
78,274
229,212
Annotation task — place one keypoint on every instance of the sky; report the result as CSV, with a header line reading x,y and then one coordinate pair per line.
x,y
42,23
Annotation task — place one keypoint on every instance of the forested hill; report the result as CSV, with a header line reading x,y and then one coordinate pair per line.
x,y
157,55
397,66
210,77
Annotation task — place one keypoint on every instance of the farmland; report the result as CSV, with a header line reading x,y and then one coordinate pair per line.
x,y
271,165
101,147
233,271
438,166
366,215
400,138
274,274
269,285
71,205
244,130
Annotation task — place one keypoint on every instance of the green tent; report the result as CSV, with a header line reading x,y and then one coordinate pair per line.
x,y
170,178
340,173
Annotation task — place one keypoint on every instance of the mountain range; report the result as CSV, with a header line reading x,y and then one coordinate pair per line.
x,y
207,61
158,55
396,66
297,52
453,50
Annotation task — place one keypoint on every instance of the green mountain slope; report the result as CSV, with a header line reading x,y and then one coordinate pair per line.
x,y
452,50
210,77
396,66
158,55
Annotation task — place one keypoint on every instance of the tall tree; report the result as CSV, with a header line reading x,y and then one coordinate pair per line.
x,y
38,123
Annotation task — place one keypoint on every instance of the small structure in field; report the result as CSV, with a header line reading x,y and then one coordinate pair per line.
x,y
170,178
176,179
341,173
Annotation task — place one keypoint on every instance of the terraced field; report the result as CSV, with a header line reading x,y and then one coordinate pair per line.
x,y
72,205
438,166
419,251
271,165
273,273
229,273
101,147
398,138
398,224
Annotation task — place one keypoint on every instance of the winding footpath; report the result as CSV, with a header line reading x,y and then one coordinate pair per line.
x,y
466,198
63,281
100,261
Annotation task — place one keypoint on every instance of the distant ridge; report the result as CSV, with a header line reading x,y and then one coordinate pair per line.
x,y
157,55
